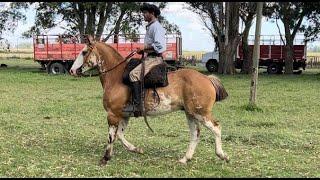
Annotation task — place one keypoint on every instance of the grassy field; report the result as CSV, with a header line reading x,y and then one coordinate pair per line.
x,y
55,126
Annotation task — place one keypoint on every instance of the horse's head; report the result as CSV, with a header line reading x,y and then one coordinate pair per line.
x,y
86,60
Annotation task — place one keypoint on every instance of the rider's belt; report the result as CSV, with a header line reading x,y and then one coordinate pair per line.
x,y
154,54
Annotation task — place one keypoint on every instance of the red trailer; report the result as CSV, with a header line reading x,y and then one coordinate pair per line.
x,y
272,56
56,53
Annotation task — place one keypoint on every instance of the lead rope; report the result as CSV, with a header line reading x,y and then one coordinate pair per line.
x,y
143,93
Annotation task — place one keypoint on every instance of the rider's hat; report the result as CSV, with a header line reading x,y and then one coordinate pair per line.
x,y
151,8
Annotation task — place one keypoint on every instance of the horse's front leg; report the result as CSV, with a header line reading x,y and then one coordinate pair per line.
x,y
130,147
113,128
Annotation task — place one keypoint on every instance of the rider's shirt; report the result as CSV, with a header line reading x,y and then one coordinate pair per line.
x,y
155,36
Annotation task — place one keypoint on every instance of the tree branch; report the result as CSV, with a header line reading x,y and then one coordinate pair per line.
x,y
295,30
280,32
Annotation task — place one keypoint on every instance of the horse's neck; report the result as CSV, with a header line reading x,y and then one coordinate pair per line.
x,y
114,76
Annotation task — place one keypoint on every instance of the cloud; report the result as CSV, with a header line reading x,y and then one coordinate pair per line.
x,y
4,5
179,10
177,13
194,34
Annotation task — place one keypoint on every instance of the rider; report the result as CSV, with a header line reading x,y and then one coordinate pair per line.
x,y
154,46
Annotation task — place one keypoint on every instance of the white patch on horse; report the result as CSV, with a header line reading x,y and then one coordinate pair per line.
x,y
163,107
79,60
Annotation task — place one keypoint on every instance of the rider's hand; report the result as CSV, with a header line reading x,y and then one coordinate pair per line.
x,y
140,51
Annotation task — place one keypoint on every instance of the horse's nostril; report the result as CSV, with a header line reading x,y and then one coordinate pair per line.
x,y
79,71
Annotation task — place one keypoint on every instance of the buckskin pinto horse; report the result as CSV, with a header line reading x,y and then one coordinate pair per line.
x,y
188,90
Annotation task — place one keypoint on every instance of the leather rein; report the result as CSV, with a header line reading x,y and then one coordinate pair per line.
x,y
125,59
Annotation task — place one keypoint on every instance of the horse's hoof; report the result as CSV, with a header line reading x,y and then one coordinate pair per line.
x,y
226,158
103,162
183,161
139,150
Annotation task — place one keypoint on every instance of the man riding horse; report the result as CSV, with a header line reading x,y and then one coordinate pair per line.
x,y
188,90
154,46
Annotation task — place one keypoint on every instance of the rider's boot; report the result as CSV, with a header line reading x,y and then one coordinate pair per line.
x,y
136,104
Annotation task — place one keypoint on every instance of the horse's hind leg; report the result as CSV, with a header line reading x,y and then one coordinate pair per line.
x,y
215,127
194,138
130,147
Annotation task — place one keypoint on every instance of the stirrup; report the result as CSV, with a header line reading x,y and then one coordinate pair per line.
x,y
128,108
137,113
132,109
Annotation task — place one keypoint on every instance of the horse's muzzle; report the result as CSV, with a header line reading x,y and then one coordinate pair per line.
x,y
77,72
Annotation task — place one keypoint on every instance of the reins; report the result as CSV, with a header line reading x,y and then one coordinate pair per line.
x,y
125,59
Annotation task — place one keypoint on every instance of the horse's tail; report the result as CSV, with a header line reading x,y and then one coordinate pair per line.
x,y
221,92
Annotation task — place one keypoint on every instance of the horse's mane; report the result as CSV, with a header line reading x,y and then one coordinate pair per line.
x,y
115,52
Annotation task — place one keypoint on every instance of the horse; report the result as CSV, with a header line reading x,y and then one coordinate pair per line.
x,y
188,90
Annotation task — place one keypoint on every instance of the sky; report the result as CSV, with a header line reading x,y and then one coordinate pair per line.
x,y
194,35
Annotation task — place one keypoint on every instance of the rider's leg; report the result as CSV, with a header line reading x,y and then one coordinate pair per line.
x,y
135,78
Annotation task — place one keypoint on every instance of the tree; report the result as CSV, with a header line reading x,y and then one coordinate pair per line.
x,y
130,18
247,14
256,54
9,16
94,18
232,12
292,15
221,25
80,17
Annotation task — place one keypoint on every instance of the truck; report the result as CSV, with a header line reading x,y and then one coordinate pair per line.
x,y
272,57
56,53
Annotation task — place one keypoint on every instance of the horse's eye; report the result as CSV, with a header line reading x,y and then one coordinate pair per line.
x,y
84,53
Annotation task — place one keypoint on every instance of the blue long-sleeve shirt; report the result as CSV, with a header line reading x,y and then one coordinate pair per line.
x,y
155,37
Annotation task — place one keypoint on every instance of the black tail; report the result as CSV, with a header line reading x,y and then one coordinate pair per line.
x,y
221,92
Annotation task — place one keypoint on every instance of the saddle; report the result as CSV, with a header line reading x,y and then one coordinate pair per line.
x,y
156,77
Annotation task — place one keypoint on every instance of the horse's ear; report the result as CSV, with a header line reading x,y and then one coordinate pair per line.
x,y
89,40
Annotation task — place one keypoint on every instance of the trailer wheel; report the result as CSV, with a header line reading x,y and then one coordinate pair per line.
x,y
273,68
212,66
56,68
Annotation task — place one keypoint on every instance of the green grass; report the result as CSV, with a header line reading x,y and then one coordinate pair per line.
x,y
55,126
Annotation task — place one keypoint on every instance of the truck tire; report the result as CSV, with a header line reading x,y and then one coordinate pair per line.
x,y
274,68
56,68
212,66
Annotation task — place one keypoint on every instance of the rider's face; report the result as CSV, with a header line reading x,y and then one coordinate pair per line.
x,y
147,16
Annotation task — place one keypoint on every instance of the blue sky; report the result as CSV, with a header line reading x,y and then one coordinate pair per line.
x,y
194,35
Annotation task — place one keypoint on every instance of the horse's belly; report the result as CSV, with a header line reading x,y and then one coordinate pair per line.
x,y
166,105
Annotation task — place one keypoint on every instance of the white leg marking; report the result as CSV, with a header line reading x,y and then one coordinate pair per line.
x,y
217,132
111,139
194,139
122,126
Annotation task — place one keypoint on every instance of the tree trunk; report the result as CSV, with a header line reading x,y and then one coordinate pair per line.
x,y
247,54
226,33
256,54
289,56
232,29
91,15
102,21
221,39
104,12
117,27
81,24
289,40
222,55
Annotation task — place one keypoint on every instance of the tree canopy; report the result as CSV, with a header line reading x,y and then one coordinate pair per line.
x,y
94,18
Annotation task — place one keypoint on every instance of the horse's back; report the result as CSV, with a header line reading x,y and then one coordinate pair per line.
x,y
187,76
